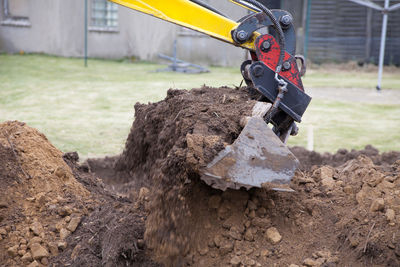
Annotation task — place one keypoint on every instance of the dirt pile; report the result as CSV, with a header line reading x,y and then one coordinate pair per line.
x,y
345,210
338,216
169,142
41,203
308,159
53,211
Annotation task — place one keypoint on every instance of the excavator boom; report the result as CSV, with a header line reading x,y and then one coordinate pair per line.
x,y
190,15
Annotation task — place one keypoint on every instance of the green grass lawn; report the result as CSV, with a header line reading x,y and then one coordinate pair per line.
x,y
90,110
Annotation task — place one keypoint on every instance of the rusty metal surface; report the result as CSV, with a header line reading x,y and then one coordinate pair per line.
x,y
256,157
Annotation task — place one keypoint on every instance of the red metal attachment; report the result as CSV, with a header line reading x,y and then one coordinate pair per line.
x,y
268,49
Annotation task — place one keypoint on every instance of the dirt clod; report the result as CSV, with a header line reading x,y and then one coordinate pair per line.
x,y
378,204
38,252
273,235
73,223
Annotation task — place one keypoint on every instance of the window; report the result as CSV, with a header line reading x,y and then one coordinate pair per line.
x,y
15,13
104,15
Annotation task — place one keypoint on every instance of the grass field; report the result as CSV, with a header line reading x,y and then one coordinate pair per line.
x,y
90,110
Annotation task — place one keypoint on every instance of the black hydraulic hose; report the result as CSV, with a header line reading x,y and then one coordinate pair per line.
x,y
205,5
277,27
282,84
271,113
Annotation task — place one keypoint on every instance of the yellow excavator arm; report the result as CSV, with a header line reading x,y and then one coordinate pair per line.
x,y
190,15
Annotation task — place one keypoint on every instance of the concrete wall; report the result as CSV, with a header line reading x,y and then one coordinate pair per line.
x,y
44,34
57,28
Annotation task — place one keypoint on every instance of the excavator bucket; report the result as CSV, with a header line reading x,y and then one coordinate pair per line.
x,y
256,158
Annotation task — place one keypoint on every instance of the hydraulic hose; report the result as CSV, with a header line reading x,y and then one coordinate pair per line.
x,y
282,85
278,29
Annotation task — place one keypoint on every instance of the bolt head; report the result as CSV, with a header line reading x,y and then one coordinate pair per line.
x,y
286,20
265,46
258,71
286,65
241,35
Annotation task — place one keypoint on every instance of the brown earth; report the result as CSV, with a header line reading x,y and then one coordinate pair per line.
x,y
308,159
152,206
41,201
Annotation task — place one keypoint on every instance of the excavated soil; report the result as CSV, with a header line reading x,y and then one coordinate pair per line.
x,y
308,159
151,209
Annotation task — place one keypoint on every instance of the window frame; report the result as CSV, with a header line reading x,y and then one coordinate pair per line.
x,y
8,19
100,28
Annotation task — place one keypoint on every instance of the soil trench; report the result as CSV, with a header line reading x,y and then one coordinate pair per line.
x,y
148,207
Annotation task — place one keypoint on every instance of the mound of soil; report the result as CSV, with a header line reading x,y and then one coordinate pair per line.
x,y
41,201
51,210
308,159
169,142
153,209
189,223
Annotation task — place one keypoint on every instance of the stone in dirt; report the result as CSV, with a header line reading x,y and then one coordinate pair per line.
x,y
13,251
3,231
34,240
261,222
44,261
324,173
323,254
218,240
235,261
144,193
273,235
38,251
226,247
248,235
203,250
261,212
312,263
27,257
65,211
64,233
75,252
73,224
264,253
390,215
34,264
248,262
53,249
37,228
62,245
378,205
235,233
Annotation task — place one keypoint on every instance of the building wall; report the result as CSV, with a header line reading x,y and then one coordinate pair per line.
x,y
339,31
57,27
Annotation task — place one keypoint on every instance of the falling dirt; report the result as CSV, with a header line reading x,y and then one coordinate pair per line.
x,y
179,135
151,209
